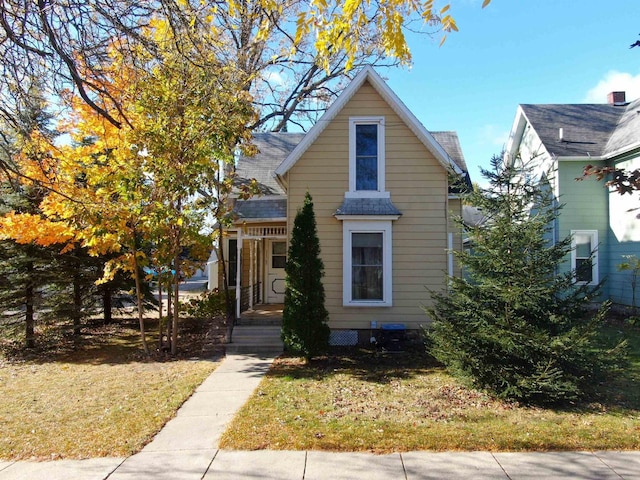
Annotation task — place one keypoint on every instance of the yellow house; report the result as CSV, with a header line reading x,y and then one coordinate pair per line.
x,y
383,189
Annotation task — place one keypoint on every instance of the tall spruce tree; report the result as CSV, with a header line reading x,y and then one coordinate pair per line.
x,y
513,324
304,321
24,268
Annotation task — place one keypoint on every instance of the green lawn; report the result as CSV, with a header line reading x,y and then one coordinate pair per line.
x,y
363,401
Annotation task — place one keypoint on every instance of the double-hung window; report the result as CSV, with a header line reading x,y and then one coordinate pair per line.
x,y
584,256
367,269
366,156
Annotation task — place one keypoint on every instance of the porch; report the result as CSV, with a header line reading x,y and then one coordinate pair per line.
x,y
260,273
262,314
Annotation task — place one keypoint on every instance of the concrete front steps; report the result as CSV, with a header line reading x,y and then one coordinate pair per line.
x,y
255,339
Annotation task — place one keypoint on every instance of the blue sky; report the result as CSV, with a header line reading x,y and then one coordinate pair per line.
x,y
518,51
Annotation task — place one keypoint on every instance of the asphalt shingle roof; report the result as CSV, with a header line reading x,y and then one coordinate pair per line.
x,y
273,148
449,141
588,129
264,208
627,131
367,206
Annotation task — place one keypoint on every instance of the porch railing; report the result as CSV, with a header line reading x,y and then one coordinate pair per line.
x,y
265,232
245,293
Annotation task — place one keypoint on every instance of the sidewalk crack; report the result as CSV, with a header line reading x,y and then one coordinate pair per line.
x,y
500,465
209,466
304,470
404,469
606,464
117,467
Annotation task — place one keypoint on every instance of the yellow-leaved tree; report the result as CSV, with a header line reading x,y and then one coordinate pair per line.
x,y
293,40
195,116
143,192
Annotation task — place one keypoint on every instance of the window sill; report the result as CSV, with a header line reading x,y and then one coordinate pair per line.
x,y
368,304
367,194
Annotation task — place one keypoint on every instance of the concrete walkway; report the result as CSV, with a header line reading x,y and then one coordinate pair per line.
x,y
187,448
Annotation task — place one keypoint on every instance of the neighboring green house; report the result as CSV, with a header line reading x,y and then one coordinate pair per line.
x,y
560,141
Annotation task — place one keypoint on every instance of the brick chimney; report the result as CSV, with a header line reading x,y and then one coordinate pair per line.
x,y
617,98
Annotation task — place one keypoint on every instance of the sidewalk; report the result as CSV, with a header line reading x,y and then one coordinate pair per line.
x,y
187,448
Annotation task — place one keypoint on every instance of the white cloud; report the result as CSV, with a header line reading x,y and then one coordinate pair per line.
x,y
493,135
614,81
276,78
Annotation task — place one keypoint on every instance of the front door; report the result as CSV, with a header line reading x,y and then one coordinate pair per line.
x,y
276,260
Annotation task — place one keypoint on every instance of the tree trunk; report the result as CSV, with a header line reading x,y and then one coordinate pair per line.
x,y
29,336
160,328
136,275
169,312
106,305
143,336
176,309
77,302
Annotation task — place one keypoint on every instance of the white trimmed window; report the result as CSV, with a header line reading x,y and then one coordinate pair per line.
x,y
367,269
584,256
366,157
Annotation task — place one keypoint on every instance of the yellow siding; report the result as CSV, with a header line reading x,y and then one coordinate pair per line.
x,y
418,187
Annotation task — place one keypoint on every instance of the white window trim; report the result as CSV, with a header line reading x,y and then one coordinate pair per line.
x,y
354,226
595,274
380,192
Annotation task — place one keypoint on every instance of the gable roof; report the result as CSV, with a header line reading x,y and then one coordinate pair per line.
x,y
588,130
272,147
451,144
370,75
627,133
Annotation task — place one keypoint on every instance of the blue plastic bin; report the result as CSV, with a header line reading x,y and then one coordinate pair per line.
x,y
392,336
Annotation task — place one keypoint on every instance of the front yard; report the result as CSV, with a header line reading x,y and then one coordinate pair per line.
x,y
100,397
92,397
367,401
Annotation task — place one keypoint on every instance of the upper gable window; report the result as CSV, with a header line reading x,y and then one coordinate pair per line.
x,y
366,156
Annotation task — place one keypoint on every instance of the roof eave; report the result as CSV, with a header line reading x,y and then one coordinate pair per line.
x,y
515,135
580,158
241,220
367,217
280,181
623,150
